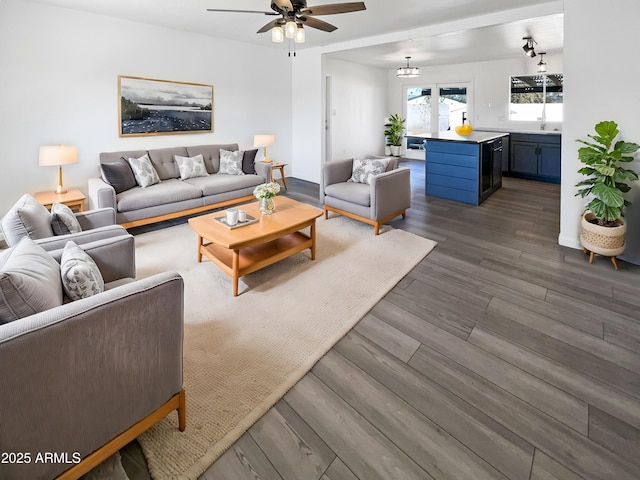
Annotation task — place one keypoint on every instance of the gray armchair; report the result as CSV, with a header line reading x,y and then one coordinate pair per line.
x,y
388,195
27,218
85,378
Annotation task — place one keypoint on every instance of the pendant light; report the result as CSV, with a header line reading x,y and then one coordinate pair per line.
x,y
408,72
542,65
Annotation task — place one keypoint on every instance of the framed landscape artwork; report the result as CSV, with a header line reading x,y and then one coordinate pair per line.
x,y
160,107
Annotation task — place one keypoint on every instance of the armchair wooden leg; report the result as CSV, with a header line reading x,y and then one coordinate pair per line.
x,y
326,213
182,411
376,228
615,262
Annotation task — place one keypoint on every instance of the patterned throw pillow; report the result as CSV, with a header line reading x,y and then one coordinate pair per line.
x,y
81,277
231,162
365,169
144,171
191,167
63,220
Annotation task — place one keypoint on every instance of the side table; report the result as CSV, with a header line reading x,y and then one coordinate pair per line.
x,y
280,166
74,199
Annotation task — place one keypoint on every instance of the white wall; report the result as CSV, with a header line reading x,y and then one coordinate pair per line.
x,y
358,109
59,85
600,81
306,117
489,99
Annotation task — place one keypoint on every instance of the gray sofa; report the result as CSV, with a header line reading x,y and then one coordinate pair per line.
x,y
173,197
82,379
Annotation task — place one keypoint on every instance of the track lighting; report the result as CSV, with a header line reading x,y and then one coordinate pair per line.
x,y
542,65
528,47
408,72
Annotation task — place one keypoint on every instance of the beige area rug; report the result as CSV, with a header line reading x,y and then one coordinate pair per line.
x,y
242,354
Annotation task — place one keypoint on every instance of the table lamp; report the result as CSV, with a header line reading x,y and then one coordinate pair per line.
x,y
58,155
264,141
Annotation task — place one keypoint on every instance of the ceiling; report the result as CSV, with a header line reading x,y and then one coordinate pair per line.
x,y
500,39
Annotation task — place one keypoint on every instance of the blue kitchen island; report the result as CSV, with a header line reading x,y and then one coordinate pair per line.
x,y
466,168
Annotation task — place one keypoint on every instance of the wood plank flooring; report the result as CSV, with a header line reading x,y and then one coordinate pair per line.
x,y
500,356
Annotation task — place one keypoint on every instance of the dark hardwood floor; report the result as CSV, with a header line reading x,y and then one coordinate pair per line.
x,y
500,356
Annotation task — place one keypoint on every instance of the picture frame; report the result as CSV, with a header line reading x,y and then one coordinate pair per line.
x,y
148,106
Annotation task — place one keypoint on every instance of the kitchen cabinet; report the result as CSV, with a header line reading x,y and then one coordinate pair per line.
x,y
466,169
535,157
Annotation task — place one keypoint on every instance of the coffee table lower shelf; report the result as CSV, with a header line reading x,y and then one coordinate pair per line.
x,y
237,263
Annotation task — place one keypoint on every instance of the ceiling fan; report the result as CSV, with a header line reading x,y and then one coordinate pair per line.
x,y
295,13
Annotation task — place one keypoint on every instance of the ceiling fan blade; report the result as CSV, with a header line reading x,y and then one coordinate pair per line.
x,y
281,5
270,25
333,8
315,23
240,11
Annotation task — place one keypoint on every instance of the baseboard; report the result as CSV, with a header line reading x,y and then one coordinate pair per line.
x,y
570,242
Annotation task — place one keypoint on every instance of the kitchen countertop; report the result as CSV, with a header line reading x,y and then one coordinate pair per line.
x,y
528,132
451,136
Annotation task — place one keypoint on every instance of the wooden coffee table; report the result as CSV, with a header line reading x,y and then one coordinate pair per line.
x,y
243,250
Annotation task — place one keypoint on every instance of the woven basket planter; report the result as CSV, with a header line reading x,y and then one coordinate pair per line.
x,y
607,241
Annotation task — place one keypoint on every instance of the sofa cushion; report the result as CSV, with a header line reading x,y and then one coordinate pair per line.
x,y
211,154
118,174
63,221
27,218
144,171
29,281
352,192
168,191
248,160
221,183
231,162
364,169
163,160
191,167
81,277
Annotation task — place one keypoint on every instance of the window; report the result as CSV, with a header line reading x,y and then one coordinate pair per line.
x,y
536,98
438,107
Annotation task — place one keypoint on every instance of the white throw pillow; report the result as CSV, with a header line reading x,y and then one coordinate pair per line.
x,y
63,221
365,169
191,167
81,277
144,171
231,162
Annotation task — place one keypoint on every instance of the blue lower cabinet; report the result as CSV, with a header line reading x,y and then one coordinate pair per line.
x,y
461,171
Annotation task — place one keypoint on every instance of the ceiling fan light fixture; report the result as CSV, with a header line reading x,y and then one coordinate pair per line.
x,y
290,29
542,65
528,47
408,71
300,35
277,34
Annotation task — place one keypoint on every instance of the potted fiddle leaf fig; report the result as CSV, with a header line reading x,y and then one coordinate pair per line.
x,y
604,159
394,131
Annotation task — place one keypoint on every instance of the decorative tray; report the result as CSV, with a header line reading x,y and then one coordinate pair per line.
x,y
248,221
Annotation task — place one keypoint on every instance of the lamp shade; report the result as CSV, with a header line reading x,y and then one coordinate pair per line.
x,y
277,34
263,140
58,155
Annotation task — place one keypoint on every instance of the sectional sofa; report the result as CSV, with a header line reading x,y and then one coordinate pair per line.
x,y
173,197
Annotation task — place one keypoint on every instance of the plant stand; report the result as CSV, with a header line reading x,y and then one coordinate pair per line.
x,y
605,241
592,254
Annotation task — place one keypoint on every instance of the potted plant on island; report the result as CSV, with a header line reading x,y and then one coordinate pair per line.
x,y
394,132
602,227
